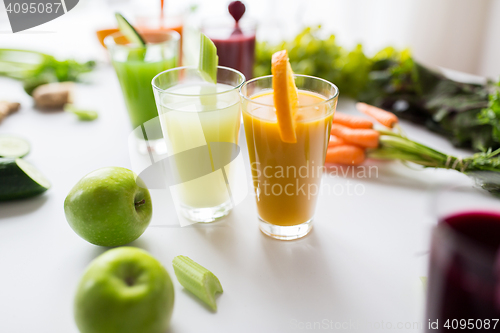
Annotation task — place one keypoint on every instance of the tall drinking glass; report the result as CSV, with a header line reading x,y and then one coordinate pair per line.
x,y
163,23
464,273
200,123
287,176
235,43
135,67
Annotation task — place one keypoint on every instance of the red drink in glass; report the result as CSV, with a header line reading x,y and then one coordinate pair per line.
x,y
235,44
464,274
237,52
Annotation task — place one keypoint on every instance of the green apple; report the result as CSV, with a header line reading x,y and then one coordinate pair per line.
x,y
124,290
109,207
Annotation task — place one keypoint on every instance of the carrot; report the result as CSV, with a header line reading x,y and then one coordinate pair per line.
x,y
335,141
363,137
351,121
346,154
384,117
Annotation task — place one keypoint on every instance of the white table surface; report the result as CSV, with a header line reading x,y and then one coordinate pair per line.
x,y
361,263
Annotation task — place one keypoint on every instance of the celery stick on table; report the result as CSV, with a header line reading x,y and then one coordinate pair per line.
x,y
197,279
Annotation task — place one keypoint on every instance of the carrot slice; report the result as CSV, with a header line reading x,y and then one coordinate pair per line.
x,y
335,141
351,121
346,154
363,137
285,96
384,117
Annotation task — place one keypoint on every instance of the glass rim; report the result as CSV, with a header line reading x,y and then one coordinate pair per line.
x,y
237,87
328,100
462,243
109,41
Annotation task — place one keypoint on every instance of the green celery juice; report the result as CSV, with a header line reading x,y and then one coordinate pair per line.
x,y
135,80
195,118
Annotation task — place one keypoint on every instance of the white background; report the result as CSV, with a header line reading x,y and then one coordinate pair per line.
x,y
362,262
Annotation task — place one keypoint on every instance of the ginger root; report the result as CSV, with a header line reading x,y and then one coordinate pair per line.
x,y
53,95
7,108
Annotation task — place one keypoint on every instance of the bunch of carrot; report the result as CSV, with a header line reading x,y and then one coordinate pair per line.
x,y
350,136
353,139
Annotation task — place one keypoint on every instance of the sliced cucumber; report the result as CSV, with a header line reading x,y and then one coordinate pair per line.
x,y
84,115
12,146
128,31
19,179
208,60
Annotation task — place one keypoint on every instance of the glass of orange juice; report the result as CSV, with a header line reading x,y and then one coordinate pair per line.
x,y
287,176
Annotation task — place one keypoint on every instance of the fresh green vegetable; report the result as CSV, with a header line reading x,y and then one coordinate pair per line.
x,y
208,59
394,81
13,147
490,116
20,180
197,279
311,55
36,68
483,167
84,115
129,31
138,52
424,96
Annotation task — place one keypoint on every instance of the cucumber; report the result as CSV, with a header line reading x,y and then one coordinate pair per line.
x,y
208,60
19,179
84,115
128,31
13,146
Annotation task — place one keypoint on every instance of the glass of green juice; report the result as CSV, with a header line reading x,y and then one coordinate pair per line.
x,y
135,67
200,123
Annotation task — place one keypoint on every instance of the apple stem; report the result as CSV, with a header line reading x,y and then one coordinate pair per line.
x,y
129,281
140,203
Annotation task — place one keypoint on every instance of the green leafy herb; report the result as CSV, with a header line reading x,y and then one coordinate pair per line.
x,y
491,114
36,68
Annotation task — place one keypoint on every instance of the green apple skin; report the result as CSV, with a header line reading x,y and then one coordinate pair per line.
x,y
124,290
108,207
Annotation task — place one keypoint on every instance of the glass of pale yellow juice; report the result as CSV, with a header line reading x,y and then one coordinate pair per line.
x,y
200,123
287,176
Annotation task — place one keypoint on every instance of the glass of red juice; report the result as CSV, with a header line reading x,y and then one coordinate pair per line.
x,y
464,274
235,44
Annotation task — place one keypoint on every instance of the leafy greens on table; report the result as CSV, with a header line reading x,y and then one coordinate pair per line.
x,y
467,114
36,68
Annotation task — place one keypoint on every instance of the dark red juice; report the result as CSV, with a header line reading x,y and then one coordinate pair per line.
x,y
234,40
236,51
464,274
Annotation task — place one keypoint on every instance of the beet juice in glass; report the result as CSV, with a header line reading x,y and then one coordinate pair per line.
x,y
234,39
464,273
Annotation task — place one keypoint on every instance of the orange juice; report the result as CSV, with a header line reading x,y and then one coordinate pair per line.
x,y
287,176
